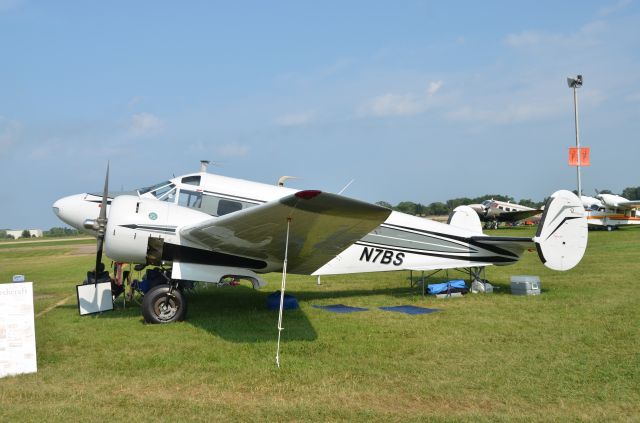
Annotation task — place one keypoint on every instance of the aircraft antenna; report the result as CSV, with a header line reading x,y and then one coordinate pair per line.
x,y
203,165
345,187
282,288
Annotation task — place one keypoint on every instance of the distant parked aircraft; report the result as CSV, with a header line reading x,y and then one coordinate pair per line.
x,y
494,211
610,211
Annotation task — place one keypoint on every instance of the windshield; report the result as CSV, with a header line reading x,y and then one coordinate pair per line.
x,y
165,193
152,187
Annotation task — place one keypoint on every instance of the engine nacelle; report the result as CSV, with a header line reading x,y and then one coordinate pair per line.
x,y
137,228
124,239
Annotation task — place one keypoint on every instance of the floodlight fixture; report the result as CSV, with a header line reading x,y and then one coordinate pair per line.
x,y
575,82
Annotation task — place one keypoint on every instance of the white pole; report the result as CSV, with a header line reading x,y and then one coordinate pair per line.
x,y
283,285
575,108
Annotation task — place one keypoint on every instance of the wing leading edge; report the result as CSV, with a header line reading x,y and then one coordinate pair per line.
x,y
517,215
630,205
322,226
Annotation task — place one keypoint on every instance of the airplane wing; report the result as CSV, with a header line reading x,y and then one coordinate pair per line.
x,y
629,205
517,215
322,226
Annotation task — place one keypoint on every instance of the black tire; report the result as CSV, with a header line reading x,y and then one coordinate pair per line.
x,y
156,308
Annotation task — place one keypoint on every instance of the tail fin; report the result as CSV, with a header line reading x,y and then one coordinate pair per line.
x,y
562,234
464,217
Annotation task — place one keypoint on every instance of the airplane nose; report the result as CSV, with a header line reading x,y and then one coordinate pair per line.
x,y
73,210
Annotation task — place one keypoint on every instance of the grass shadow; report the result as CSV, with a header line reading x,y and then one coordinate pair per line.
x,y
236,314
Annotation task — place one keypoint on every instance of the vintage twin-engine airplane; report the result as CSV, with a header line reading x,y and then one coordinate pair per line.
x,y
494,211
210,228
610,211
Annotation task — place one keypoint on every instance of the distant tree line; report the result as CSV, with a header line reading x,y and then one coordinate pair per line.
x,y
439,208
631,193
57,232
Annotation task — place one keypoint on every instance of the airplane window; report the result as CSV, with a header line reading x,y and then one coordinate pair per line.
x,y
191,180
217,206
227,206
166,193
153,187
190,199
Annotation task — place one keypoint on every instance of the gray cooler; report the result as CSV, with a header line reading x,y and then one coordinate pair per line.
x,y
525,285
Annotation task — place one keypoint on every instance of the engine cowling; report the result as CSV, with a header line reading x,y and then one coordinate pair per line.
x,y
130,224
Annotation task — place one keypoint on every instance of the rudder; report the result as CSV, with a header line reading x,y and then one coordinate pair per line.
x,y
562,234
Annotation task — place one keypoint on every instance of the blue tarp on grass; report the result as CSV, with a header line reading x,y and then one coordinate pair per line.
x,y
446,287
340,308
409,309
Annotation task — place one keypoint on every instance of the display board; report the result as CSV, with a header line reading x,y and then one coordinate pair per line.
x,y
17,329
94,298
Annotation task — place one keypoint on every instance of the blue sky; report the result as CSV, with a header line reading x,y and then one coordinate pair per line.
x,y
415,100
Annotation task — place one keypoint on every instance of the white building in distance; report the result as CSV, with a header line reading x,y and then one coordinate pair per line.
x,y
33,233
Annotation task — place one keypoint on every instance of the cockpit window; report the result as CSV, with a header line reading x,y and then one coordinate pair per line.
x,y
191,180
151,188
486,203
165,193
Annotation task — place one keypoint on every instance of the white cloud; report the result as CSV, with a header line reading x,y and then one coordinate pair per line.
x,y
511,113
434,87
614,7
294,119
135,100
525,38
232,150
586,35
145,124
407,104
633,97
391,105
9,132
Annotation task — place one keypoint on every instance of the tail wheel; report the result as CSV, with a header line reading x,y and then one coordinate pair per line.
x,y
162,304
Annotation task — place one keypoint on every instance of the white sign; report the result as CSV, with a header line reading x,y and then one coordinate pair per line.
x,y
17,329
94,298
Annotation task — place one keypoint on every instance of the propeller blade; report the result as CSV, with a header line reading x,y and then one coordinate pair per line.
x,y
102,222
105,194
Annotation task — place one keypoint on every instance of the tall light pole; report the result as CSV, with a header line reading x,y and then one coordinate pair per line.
x,y
576,83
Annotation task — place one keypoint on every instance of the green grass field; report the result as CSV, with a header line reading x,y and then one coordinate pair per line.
x,y
571,354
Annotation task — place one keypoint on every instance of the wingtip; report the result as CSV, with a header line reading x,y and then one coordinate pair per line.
x,y
308,194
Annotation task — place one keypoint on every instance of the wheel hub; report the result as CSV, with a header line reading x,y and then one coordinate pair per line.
x,y
166,309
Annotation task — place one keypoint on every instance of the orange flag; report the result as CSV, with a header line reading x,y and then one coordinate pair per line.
x,y
584,156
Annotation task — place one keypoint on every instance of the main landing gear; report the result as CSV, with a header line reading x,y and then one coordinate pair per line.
x,y
164,303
